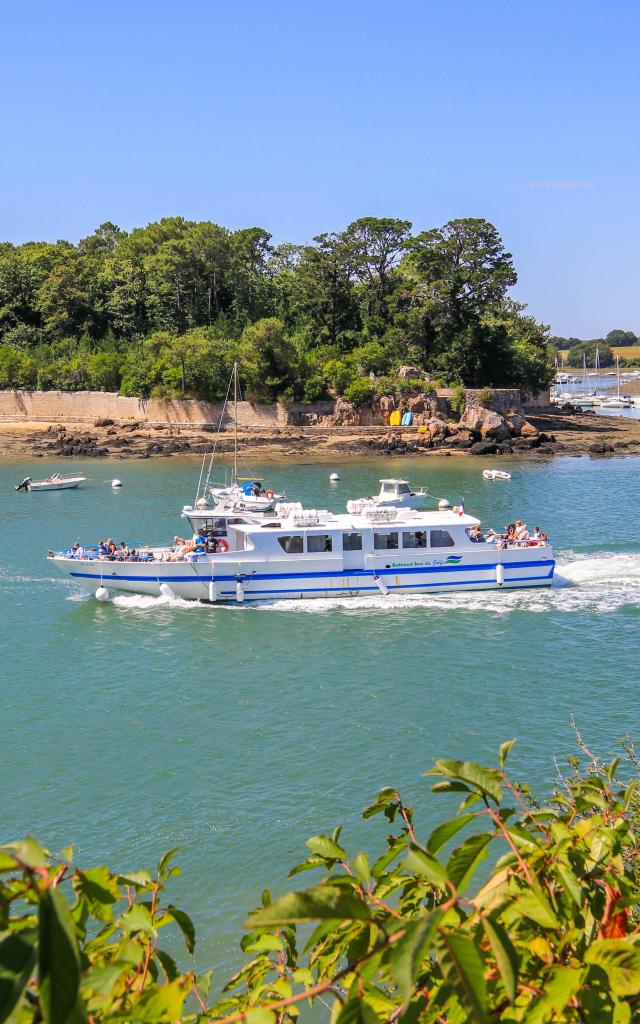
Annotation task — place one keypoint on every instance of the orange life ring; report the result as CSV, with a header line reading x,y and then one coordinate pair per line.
x,y
223,545
269,494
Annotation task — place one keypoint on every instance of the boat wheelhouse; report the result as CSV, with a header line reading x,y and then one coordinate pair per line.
x,y
316,554
393,492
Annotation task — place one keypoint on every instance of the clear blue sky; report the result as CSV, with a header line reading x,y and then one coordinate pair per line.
x,y
302,116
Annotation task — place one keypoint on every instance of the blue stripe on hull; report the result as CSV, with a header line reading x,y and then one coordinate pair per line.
x,y
259,595
195,577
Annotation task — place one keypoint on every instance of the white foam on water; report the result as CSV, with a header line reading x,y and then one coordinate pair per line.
x,y
600,582
146,602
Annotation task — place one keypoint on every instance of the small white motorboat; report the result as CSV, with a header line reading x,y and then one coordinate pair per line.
x,y
247,494
495,474
55,482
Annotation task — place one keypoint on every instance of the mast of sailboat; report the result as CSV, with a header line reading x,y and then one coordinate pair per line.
x,y
235,423
597,369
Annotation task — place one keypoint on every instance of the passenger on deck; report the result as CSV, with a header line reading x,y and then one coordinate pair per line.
x,y
76,550
111,548
475,534
199,543
103,550
510,535
522,531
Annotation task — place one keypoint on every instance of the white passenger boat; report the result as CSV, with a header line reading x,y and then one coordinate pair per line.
x,y
315,554
55,482
393,493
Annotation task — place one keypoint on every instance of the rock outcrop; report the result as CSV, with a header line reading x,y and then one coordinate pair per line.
x,y
486,423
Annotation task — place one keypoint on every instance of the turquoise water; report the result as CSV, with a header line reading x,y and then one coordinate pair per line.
x,y
235,733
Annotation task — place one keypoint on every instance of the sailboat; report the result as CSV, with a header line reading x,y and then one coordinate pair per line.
x,y
242,494
617,401
585,400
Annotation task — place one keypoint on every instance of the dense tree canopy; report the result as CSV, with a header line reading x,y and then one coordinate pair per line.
x,y
166,308
588,350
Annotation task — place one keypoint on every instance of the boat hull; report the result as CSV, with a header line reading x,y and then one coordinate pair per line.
x,y
225,579
56,485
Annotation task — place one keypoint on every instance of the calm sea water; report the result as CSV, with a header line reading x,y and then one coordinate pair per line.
x,y
236,733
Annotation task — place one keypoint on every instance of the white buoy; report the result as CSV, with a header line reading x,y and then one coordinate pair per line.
x,y
334,477
102,594
166,591
381,585
213,591
499,574
116,483
444,505
240,592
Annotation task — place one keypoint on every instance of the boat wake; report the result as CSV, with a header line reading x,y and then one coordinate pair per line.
x,y
600,582
145,602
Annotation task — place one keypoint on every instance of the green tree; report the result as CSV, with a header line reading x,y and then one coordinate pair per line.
x,y
323,292
17,369
587,349
621,338
105,370
269,360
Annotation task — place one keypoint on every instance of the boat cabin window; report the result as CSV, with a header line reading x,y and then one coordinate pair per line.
x,y
404,489
442,539
352,542
319,542
385,541
415,539
292,544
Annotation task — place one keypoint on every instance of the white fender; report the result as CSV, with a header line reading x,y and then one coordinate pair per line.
x,y
166,591
499,574
240,591
102,594
213,591
381,585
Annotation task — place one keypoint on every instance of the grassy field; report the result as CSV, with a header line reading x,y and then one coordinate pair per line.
x,y
624,351
627,352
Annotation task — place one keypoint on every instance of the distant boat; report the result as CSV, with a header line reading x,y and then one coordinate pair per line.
x,y
495,474
55,482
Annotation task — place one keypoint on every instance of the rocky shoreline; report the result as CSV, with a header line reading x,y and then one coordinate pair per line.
x,y
479,433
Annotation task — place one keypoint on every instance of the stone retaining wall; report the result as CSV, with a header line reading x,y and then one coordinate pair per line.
x,y
88,406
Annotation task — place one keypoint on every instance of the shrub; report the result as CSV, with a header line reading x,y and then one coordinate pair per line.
x,y
546,935
315,389
486,398
459,400
338,375
360,392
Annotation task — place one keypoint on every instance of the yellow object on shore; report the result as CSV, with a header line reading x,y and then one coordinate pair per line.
x,y
394,418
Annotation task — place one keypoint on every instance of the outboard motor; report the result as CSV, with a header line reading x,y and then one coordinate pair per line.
x,y
24,486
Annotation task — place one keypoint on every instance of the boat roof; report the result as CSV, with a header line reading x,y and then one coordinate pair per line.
x,y
321,520
392,480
